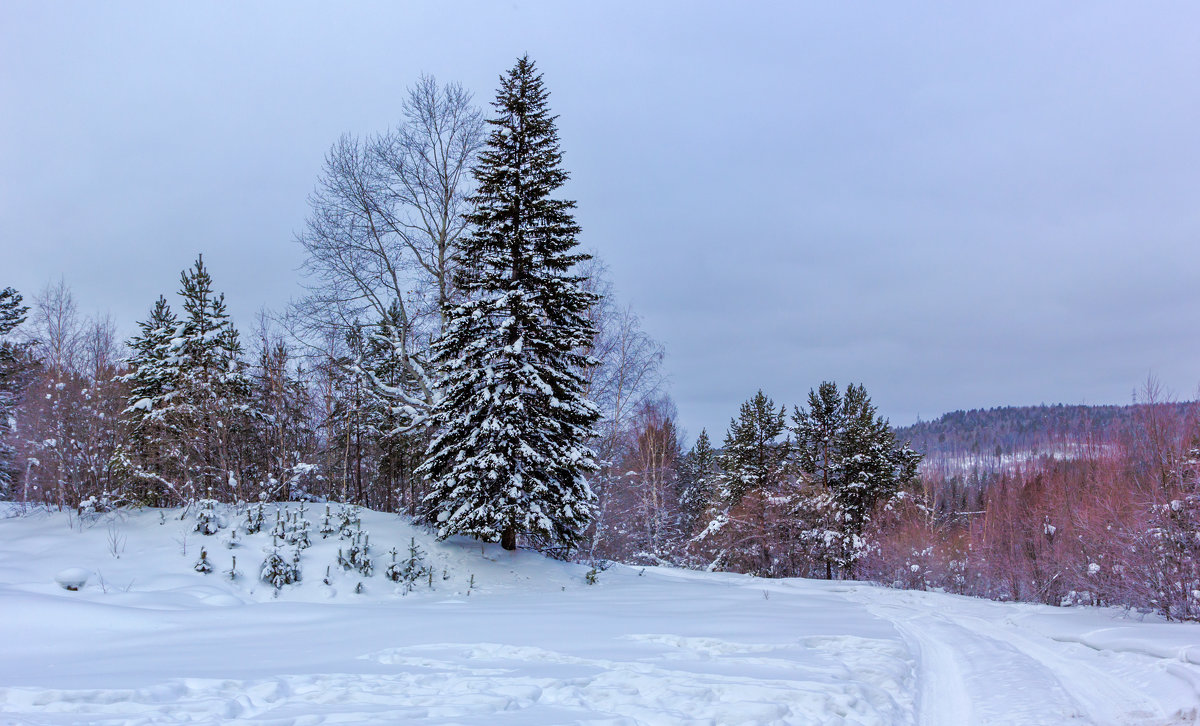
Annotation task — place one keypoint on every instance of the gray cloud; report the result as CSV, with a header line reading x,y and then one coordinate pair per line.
x,y
958,206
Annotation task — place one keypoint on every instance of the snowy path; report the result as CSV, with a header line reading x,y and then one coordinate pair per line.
x,y
981,663
534,644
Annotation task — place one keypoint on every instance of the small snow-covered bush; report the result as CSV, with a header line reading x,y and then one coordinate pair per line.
x,y
202,565
278,571
94,505
72,578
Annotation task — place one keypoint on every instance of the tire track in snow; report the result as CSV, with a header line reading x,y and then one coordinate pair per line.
x,y
973,671
965,677
1105,699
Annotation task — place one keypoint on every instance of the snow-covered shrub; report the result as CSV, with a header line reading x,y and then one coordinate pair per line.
x,y
1173,546
93,505
393,570
72,578
360,557
277,571
202,565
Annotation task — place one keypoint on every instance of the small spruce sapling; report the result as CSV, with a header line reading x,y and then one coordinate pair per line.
x,y
327,527
206,517
232,539
255,518
348,521
414,567
360,554
393,570
298,531
277,571
279,531
202,565
233,572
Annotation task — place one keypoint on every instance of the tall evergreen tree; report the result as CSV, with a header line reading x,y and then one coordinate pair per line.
x,y
697,481
756,449
214,400
510,456
153,379
14,363
846,447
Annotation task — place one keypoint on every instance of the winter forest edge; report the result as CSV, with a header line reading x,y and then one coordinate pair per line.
x,y
456,358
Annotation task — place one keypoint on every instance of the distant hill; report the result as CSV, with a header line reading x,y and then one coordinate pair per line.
x,y
995,438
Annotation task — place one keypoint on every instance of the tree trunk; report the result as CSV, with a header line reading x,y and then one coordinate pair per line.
x,y
508,540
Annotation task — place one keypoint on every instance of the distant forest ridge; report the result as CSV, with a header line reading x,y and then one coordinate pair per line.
x,y
997,438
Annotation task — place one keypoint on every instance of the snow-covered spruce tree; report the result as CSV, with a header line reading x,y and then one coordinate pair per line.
x,y
745,516
215,386
190,407
697,482
14,363
843,445
756,450
509,457
152,380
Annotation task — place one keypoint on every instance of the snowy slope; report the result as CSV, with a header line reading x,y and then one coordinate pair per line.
x,y
533,643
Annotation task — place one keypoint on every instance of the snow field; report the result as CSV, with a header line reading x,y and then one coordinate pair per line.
x,y
148,640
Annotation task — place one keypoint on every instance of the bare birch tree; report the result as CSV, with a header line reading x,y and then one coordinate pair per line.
x,y
382,235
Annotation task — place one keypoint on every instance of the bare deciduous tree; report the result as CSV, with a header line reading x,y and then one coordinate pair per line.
x,y
425,166
382,236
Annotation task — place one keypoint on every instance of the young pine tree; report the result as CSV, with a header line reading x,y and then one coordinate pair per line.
x,y
510,453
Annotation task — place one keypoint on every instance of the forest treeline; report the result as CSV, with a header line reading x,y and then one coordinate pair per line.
x,y
456,357
989,440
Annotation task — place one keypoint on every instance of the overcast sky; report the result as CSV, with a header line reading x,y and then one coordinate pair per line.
x,y
957,205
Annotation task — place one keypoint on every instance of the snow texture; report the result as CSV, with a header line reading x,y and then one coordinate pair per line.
x,y
513,638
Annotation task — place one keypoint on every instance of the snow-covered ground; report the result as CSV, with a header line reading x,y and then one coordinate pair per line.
x,y
148,640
